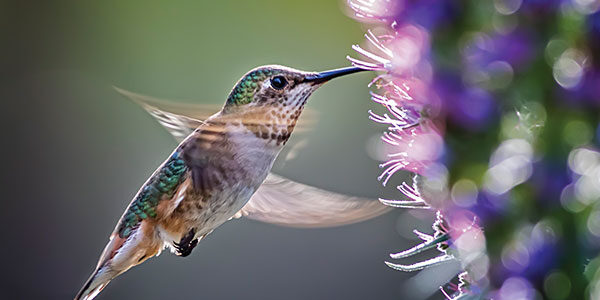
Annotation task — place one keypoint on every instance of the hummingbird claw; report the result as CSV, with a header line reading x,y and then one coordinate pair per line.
x,y
187,243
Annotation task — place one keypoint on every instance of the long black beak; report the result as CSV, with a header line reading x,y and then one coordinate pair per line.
x,y
328,75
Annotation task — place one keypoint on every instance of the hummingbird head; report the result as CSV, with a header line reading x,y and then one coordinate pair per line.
x,y
269,99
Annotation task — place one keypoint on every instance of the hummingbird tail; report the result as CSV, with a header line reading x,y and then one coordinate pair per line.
x,y
118,256
94,285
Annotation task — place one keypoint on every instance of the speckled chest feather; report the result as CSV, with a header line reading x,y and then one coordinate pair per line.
x,y
275,121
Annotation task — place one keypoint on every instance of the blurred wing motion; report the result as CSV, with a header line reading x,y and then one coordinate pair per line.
x,y
278,200
284,202
181,119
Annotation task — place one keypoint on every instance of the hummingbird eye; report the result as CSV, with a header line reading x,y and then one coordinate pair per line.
x,y
278,82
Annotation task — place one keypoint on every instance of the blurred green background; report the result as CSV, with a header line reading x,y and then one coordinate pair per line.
x,y
74,152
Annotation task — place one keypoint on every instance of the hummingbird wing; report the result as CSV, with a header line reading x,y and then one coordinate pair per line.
x,y
278,200
181,119
285,202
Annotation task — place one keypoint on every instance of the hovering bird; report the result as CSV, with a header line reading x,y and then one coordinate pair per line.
x,y
221,170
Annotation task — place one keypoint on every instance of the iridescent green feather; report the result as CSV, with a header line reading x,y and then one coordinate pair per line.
x,y
162,184
244,91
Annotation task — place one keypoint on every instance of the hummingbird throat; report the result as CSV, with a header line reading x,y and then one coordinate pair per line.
x,y
275,121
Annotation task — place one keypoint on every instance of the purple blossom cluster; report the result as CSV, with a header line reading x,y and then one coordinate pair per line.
x,y
448,85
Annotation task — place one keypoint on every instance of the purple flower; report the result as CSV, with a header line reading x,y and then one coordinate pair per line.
x,y
515,48
399,51
429,14
414,142
470,108
371,11
549,179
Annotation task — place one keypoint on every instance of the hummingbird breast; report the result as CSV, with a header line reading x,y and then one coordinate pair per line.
x,y
226,163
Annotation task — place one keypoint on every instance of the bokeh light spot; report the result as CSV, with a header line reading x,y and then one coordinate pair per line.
x,y
568,70
500,74
511,164
557,286
554,49
593,223
464,193
586,7
587,188
507,7
516,288
569,201
582,161
577,133
515,257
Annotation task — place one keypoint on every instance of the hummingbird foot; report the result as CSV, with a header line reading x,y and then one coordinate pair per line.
x,y
186,244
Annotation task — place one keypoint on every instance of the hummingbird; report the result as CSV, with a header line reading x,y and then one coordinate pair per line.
x,y
221,170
